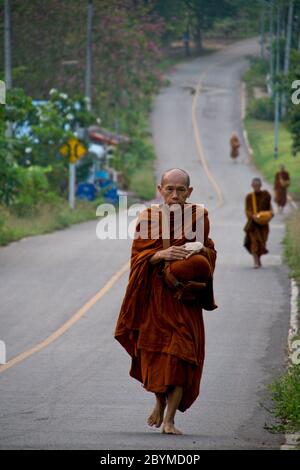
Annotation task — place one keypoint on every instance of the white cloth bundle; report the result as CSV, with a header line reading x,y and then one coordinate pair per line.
x,y
193,246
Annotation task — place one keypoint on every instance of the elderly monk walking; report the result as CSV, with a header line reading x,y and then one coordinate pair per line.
x,y
259,212
281,183
162,331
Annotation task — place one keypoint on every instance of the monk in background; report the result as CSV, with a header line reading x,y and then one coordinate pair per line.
x,y
256,235
163,335
281,183
235,145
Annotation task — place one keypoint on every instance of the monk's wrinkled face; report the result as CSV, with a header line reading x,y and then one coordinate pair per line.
x,y
256,185
174,188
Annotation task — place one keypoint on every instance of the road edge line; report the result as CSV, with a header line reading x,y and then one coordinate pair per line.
x,y
292,439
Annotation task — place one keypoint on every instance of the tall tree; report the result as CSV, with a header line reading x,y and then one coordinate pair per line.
x,y
204,13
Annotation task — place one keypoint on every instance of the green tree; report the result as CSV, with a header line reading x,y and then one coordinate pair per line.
x,y
204,13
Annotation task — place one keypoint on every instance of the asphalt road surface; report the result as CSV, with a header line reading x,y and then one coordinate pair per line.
x,y
75,392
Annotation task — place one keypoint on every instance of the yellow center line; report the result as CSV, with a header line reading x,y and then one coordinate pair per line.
x,y
199,145
67,325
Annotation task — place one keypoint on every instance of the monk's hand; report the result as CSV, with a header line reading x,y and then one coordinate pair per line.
x,y
174,253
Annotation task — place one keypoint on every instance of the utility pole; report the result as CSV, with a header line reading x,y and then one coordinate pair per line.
x,y
271,47
262,32
7,45
287,51
7,56
88,71
276,105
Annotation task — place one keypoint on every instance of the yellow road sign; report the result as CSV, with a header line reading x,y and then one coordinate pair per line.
x,y
73,149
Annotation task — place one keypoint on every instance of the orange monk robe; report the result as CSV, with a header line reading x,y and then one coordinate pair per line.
x,y
257,235
280,190
235,144
164,336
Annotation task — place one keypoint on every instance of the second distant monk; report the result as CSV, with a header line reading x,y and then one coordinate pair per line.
x,y
235,145
281,183
256,235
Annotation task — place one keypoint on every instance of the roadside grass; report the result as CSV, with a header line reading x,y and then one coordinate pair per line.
x,y
261,138
286,396
292,244
47,219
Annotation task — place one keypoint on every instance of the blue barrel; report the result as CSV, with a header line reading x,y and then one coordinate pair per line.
x,y
86,191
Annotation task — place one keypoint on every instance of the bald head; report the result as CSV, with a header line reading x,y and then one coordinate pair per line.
x,y
256,180
175,186
175,173
256,184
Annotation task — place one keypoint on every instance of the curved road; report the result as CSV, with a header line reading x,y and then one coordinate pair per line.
x,y
75,392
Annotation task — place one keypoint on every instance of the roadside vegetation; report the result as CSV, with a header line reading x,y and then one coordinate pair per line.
x,y
261,138
286,396
259,123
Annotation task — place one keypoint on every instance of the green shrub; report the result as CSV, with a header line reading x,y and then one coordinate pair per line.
x,y
286,395
5,234
142,182
261,108
32,191
256,74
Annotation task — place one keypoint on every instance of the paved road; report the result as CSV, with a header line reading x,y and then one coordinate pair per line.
x,y
76,393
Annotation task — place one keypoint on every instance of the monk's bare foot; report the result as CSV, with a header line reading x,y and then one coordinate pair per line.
x,y
157,415
256,261
169,428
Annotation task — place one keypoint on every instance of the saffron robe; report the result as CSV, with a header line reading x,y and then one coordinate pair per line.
x,y
235,144
164,336
281,191
257,235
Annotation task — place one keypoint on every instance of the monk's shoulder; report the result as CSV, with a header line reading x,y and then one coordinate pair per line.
x,y
145,214
199,206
